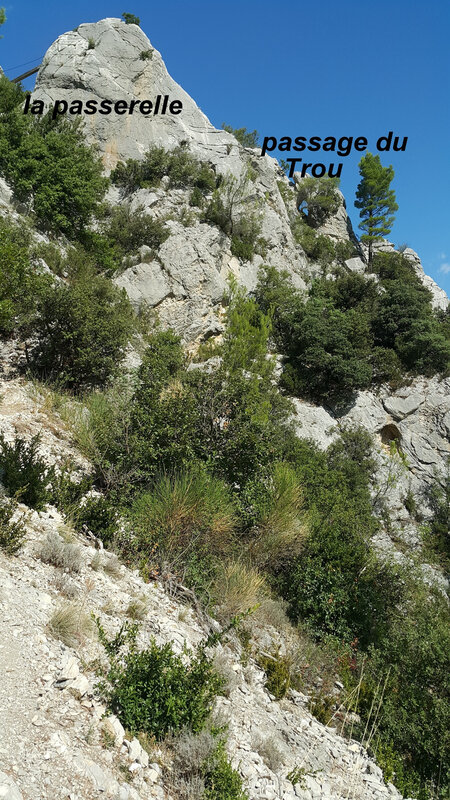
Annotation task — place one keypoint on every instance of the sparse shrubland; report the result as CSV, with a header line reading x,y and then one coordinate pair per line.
x,y
233,209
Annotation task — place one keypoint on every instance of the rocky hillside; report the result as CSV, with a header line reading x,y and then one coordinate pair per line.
x,y
118,403
57,739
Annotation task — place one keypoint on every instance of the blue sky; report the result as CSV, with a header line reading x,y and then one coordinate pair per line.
x,y
297,68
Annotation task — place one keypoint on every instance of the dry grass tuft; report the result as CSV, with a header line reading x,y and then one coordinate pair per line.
x,y
137,608
108,562
71,625
237,588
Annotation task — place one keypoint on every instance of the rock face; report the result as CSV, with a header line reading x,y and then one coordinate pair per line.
x,y
105,61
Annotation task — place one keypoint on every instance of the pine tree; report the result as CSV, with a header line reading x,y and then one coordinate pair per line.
x,y
375,199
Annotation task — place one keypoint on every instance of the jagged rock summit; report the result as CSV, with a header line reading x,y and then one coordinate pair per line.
x,y
109,60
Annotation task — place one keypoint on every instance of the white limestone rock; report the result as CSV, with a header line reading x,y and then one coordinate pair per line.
x,y
313,422
8,789
113,69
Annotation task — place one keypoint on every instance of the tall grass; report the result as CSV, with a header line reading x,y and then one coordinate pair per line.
x,y
183,514
236,588
282,528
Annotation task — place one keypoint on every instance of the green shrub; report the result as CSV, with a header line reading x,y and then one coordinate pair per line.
x,y
12,532
48,165
344,251
437,533
245,138
99,515
155,691
81,332
65,492
337,586
130,19
182,168
91,44
349,334
24,473
222,782
146,55
318,199
411,662
404,319
20,284
52,256
278,671
196,198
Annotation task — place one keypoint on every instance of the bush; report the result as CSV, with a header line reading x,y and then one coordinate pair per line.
x,y
337,586
99,515
61,554
155,691
24,473
164,413
48,165
318,199
12,532
66,493
245,138
20,284
278,671
182,168
130,19
414,718
81,332
437,536
222,782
